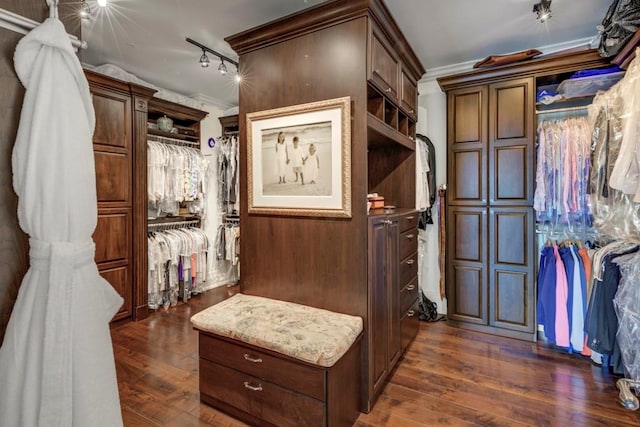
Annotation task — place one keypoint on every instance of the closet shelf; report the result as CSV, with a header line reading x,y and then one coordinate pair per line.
x,y
569,104
175,136
381,135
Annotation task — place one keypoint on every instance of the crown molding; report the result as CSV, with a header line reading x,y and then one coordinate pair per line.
x,y
446,70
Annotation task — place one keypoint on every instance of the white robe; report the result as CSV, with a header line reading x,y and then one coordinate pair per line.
x,y
56,362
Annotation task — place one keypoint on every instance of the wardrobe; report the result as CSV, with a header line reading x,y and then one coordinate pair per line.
x,y
124,112
491,254
365,264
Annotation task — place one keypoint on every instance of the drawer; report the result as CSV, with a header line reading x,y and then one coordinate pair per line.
x,y
409,221
408,295
409,325
287,373
409,268
257,397
408,243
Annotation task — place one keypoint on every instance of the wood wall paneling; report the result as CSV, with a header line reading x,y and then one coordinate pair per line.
x,y
512,168
470,181
316,272
112,237
112,130
468,118
120,279
469,293
14,245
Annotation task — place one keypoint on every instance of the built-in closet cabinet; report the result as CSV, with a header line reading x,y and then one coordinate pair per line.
x,y
491,256
365,265
119,144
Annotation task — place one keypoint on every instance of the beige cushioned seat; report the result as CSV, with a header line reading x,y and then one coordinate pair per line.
x,y
310,334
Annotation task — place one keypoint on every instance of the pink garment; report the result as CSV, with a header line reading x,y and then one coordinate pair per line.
x,y
562,295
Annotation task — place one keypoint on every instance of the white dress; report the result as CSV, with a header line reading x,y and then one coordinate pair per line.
x,y
281,159
311,172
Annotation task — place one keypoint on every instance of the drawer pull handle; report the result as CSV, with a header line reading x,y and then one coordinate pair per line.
x,y
410,261
387,221
252,359
411,111
252,387
410,218
410,313
388,90
411,287
409,236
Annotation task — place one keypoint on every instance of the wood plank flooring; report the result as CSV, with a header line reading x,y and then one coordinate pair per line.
x,y
448,377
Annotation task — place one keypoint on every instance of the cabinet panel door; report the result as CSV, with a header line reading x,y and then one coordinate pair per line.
x,y
393,291
467,146
408,94
120,279
467,110
113,118
512,261
112,237
466,264
384,66
113,178
379,310
511,142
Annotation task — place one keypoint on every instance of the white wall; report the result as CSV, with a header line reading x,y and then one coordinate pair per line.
x,y
432,123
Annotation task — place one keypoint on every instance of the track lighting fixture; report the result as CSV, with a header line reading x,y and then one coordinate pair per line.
x,y
85,10
222,69
542,10
102,3
204,60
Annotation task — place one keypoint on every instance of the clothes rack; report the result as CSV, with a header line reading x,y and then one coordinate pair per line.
x,y
22,25
173,141
173,225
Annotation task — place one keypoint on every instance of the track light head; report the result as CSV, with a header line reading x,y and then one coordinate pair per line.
x,y
204,60
222,69
542,10
102,3
85,10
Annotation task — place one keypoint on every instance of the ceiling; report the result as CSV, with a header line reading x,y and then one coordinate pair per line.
x,y
147,37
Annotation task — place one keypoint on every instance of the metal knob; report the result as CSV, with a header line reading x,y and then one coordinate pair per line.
x,y
410,261
411,287
410,313
388,90
409,236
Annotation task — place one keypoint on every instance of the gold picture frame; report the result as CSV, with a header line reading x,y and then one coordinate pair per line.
x,y
299,160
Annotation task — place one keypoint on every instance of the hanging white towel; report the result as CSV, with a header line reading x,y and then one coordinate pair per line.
x,y
56,362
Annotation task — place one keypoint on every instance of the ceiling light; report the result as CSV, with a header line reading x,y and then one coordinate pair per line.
x,y
542,10
222,69
204,60
238,78
85,10
102,3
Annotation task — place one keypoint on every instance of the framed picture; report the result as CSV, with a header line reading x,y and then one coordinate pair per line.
x,y
299,160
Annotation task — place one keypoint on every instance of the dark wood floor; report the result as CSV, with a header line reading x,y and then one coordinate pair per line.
x,y
449,377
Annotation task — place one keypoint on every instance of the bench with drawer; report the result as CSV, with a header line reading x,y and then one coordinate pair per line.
x,y
275,363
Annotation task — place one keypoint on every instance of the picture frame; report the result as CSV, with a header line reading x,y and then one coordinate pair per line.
x,y
299,160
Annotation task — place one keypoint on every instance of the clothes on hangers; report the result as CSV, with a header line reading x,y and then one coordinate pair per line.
x,y
227,174
562,172
615,181
177,265
175,175
425,179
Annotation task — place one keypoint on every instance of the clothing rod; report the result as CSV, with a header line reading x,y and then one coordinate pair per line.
x,y
20,24
562,110
175,224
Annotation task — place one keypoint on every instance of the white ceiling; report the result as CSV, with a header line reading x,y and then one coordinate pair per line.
x,y
147,37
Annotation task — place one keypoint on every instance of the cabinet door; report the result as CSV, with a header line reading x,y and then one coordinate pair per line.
x,y
379,310
466,264
408,94
114,167
511,142
393,289
512,261
383,65
467,143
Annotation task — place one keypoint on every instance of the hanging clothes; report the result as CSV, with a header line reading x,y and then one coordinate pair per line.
x,y
175,175
228,174
562,172
56,362
177,266
425,179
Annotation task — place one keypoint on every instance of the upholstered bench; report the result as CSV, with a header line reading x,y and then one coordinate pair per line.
x,y
270,362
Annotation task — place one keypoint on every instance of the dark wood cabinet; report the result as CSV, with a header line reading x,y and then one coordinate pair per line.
x,y
491,259
354,266
119,145
393,281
